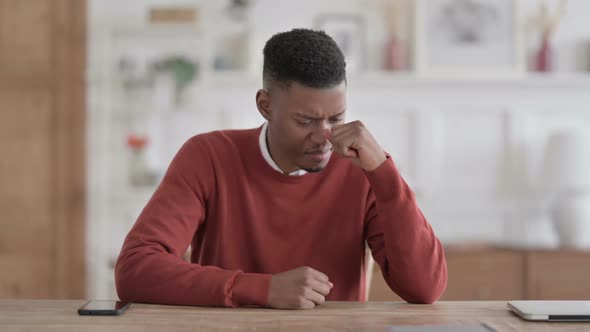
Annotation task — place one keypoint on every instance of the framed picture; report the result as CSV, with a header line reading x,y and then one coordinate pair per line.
x,y
348,31
468,38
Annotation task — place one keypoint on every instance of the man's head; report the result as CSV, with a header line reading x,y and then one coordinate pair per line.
x,y
304,95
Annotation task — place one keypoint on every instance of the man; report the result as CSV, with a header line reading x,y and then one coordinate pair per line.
x,y
274,217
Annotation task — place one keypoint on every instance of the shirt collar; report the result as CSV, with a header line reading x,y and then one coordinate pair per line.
x,y
266,153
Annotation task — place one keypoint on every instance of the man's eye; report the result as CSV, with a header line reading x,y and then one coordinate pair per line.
x,y
335,120
305,122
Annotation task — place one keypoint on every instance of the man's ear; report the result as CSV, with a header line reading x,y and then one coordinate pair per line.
x,y
263,103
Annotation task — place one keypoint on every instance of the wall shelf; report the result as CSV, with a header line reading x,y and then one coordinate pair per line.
x,y
384,79
410,80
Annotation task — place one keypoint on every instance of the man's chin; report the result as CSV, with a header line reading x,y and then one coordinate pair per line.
x,y
310,165
314,170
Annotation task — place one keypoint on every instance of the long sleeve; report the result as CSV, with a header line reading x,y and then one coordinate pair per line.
x,y
150,267
401,240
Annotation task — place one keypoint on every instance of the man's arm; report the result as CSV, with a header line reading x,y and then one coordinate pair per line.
x,y
402,242
411,258
150,267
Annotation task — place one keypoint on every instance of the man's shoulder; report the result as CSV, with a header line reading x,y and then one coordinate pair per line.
x,y
224,139
219,148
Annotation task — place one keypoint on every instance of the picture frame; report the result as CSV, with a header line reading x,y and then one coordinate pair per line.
x,y
349,32
468,39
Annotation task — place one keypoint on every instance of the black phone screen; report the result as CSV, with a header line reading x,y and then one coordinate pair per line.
x,y
103,308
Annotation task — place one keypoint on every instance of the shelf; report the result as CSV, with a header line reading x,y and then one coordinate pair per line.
x,y
214,81
383,79
411,80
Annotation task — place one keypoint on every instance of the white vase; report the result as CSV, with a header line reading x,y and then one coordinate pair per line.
x,y
571,217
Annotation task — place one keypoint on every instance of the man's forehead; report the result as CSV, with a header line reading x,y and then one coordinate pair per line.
x,y
314,100
296,88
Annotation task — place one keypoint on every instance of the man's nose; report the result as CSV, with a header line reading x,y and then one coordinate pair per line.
x,y
319,132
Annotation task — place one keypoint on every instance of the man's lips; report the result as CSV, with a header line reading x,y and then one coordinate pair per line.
x,y
319,156
319,152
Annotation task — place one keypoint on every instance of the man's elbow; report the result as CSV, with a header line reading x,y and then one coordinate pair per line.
x,y
429,292
424,298
125,283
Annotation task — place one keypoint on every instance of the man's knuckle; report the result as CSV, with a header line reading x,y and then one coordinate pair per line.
x,y
302,290
301,302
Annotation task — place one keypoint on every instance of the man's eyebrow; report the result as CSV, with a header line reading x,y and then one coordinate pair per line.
x,y
339,114
301,115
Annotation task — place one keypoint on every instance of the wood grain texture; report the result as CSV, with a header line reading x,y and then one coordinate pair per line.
x,y
475,273
486,275
25,37
489,273
42,141
60,315
69,142
558,275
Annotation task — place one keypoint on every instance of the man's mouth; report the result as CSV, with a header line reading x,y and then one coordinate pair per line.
x,y
319,151
319,155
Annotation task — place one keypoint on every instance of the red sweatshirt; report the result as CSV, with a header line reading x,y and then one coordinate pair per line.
x,y
245,221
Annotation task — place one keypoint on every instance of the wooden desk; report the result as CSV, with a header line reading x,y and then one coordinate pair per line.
x,y
60,315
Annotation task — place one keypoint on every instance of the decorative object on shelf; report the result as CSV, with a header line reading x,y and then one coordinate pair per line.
x,y
165,94
348,30
173,15
183,72
468,38
136,84
162,79
566,179
232,46
395,49
140,174
547,22
238,9
232,50
154,65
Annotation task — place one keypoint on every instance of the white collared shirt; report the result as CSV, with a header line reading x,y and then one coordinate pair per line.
x,y
266,153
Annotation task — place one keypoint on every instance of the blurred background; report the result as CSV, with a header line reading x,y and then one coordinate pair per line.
x,y
484,105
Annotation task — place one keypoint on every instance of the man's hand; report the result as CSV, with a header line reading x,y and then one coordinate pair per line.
x,y
352,140
301,288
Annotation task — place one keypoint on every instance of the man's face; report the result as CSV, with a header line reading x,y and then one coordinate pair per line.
x,y
300,117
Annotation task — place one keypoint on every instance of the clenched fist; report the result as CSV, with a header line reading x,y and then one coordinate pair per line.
x,y
354,141
301,288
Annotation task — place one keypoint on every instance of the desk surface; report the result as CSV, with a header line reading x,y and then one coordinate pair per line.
x,y
61,315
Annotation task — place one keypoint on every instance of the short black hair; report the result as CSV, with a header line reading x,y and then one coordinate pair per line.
x,y
308,57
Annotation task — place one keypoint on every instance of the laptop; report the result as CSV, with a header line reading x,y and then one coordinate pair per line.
x,y
558,311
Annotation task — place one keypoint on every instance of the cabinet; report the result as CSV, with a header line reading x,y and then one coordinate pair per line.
x,y
557,275
492,273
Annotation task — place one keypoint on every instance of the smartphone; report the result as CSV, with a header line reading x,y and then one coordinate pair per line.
x,y
103,308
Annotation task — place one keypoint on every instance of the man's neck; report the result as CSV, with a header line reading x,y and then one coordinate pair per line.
x,y
275,155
